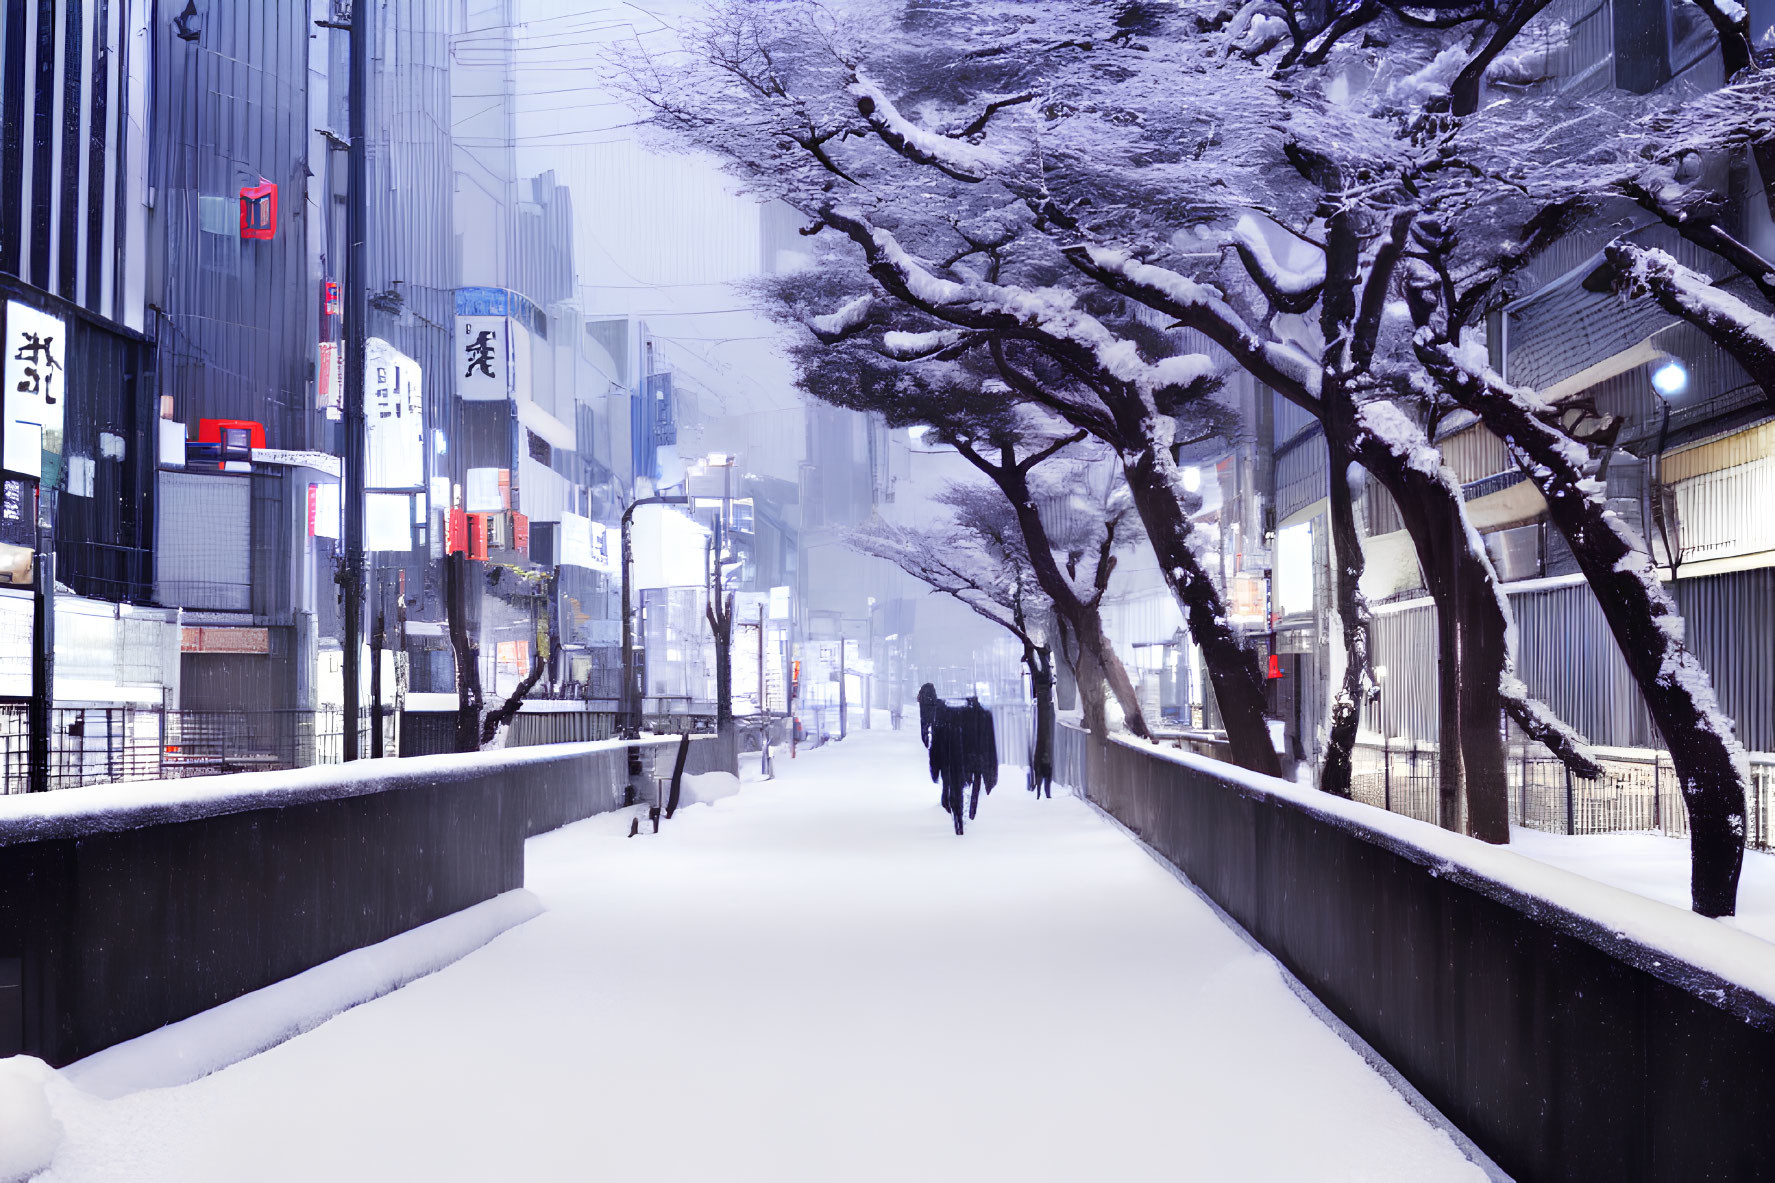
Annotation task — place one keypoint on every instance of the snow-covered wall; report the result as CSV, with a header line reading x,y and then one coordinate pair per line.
x,y
1572,1030
127,907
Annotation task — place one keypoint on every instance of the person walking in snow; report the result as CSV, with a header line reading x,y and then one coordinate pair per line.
x,y
949,763
981,745
927,712
963,757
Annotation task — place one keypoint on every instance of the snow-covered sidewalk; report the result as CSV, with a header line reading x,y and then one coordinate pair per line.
x,y
814,980
1655,867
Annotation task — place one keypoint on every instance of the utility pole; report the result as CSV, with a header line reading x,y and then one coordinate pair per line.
x,y
356,311
40,716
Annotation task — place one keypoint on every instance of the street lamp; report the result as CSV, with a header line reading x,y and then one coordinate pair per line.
x,y
869,678
631,704
1671,381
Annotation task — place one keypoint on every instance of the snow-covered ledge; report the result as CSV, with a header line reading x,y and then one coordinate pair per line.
x,y
1707,958
128,805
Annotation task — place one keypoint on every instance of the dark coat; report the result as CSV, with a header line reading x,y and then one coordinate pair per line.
x,y
927,711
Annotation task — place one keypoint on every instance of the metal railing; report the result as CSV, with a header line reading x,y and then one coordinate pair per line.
x,y
106,745
1638,790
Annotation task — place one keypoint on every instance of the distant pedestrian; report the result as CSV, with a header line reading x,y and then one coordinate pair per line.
x,y
963,757
949,764
928,702
981,745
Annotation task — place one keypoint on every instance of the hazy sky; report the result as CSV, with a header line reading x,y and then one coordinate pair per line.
x,y
659,235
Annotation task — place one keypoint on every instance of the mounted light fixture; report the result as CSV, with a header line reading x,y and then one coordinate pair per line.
x,y
1671,379
1192,479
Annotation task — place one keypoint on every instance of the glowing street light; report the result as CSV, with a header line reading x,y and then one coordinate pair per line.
x,y
1670,379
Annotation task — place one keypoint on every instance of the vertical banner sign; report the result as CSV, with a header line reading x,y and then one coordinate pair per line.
x,y
36,391
329,383
395,419
483,360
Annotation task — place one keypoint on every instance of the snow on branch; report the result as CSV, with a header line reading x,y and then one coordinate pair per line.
x,y
835,326
954,157
904,346
963,563
1538,721
1745,332
1292,289
1047,314
1201,307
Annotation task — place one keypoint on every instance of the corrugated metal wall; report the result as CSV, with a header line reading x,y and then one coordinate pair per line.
x,y
1732,630
240,326
1568,658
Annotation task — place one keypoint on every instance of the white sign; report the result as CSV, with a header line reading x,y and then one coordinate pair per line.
x,y
480,491
329,385
576,541
779,603
394,416
605,545
323,499
388,521
319,461
36,388
483,358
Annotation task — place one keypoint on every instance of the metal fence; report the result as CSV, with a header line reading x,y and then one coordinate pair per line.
x,y
104,745
1638,790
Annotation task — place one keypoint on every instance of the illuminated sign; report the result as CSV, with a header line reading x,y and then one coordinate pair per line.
x,y
394,415
36,348
258,210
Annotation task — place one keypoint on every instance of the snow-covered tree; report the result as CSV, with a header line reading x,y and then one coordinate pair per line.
x,y
1273,176
979,559
1508,178
948,215
967,408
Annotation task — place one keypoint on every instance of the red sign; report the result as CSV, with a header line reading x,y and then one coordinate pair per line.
x,y
477,536
520,533
456,536
258,210
330,298
224,640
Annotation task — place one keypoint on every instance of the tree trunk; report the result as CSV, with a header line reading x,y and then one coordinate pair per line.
x,y
1041,686
1233,669
1647,627
1080,616
467,651
1087,674
1087,627
1347,560
721,623
1471,636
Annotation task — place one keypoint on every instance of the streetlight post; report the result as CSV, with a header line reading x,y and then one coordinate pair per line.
x,y
631,712
356,310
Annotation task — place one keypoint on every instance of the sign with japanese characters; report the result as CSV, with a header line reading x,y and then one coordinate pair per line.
x,y
330,380
394,416
36,388
605,543
483,358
